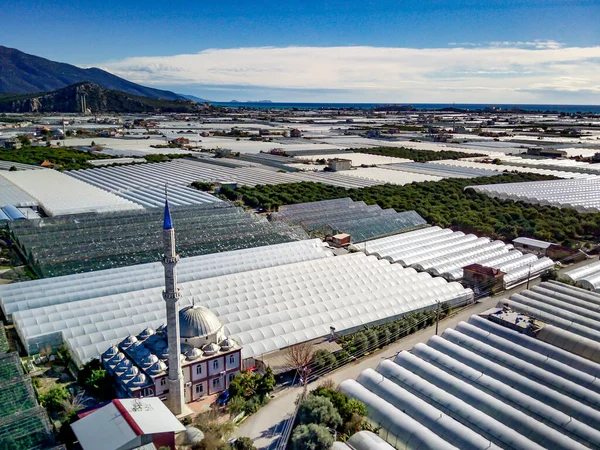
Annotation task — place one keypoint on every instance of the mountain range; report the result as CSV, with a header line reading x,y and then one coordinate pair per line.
x,y
89,96
21,73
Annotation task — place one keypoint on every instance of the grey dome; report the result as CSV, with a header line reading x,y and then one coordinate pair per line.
x,y
196,321
193,353
228,344
211,349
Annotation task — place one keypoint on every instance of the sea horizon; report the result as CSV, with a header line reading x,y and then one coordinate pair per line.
x,y
593,109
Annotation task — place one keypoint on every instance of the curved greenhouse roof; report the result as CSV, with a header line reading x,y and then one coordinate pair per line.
x,y
484,385
343,215
87,242
445,253
582,195
264,310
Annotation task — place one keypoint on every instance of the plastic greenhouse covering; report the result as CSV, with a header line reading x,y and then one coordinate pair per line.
x,y
587,277
23,424
29,295
442,170
513,168
59,194
263,309
582,195
343,215
443,252
183,172
10,194
83,243
481,386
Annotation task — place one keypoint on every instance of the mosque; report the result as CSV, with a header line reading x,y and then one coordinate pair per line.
x,y
180,362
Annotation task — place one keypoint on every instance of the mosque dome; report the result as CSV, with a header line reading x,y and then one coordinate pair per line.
x,y
146,333
197,321
193,353
227,344
211,349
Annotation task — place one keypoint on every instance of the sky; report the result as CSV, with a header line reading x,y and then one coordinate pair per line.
x,y
402,51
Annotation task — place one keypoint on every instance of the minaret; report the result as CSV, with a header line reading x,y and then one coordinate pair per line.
x,y
171,296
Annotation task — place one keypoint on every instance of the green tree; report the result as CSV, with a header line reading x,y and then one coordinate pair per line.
x,y
319,410
311,437
323,361
54,399
244,385
266,383
100,385
360,342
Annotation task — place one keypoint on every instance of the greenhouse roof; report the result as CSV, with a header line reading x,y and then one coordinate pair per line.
x,y
27,296
23,424
483,386
264,309
443,252
361,221
88,242
183,172
59,194
582,195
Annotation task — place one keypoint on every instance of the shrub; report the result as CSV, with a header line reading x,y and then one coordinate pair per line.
x,y
318,410
54,398
311,437
243,443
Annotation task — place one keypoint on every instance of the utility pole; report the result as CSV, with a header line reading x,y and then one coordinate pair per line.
x,y
437,317
529,276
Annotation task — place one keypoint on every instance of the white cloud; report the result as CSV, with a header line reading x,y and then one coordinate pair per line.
x,y
498,72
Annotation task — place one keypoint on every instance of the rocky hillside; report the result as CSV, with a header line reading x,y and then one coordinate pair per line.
x,y
95,98
21,73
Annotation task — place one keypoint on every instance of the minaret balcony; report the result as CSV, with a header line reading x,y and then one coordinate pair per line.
x,y
171,296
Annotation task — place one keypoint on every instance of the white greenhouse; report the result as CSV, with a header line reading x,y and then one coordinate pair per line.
x,y
264,309
484,386
587,277
582,195
443,252
59,194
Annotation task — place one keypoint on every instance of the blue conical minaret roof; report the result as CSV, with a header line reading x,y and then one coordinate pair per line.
x,y
167,222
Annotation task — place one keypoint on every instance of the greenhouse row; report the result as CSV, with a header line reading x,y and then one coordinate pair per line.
x,y
83,243
582,195
442,170
10,194
512,168
587,277
569,165
380,175
7,165
58,194
358,219
185,171
443,252
24,425
562,306
264,309
483,386
27,296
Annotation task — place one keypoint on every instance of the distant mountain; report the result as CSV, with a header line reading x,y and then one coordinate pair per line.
x,y
196,99
73,98
21,73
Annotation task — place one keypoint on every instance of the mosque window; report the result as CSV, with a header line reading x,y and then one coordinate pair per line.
x,y
198,369
216,364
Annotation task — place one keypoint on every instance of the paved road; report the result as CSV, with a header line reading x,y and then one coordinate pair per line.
x,y
266,425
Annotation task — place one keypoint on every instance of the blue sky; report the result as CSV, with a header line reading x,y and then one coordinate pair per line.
x,y
516,46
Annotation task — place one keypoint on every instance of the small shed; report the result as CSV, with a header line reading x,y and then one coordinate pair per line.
x,y
529,245
341,239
